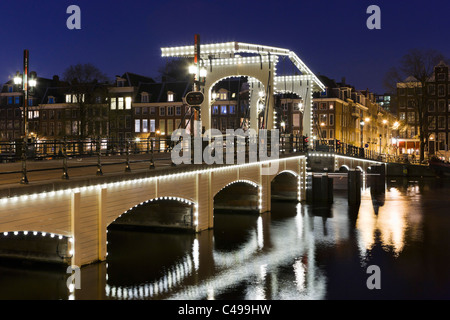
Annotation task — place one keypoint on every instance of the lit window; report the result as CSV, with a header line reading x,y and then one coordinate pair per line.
x,y
10,100
113,103
51,100
152,125
128,103
137,125
170,97
144,125
17,100
68,98
120,104
232,109
223,110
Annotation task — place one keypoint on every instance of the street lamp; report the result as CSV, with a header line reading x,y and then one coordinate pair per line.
x,y
362,133
28,82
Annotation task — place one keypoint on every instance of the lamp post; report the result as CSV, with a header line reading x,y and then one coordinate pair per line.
x,y
28,82
362,133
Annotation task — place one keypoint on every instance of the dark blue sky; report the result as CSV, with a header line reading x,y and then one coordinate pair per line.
x,y
331,37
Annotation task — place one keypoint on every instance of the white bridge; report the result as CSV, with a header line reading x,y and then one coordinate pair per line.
x,y
259,63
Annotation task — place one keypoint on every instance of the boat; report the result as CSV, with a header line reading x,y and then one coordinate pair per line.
x,y
441,168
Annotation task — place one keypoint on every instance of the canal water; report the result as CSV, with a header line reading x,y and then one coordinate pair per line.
x,y
297,251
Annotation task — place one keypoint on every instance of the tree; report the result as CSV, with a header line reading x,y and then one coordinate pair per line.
x,y
413,73
86,83
176,70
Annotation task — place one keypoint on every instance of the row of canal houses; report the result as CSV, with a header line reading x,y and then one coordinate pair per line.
x,y
138,107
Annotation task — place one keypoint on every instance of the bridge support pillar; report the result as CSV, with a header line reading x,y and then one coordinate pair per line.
x,y
75,229
102,234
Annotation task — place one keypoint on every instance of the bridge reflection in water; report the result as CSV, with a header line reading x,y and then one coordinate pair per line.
x,y
297,251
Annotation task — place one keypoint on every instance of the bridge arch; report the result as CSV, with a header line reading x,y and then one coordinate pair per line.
x,y
242,198
251,72
285,185
139,214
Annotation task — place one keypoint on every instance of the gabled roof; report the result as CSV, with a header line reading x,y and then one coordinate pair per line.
x,y
158,91
134,80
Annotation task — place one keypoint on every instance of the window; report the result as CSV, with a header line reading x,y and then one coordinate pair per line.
x,y
223,109
441,106
121,83
152,110
441,122
30,102
402,116
411,117
431,107
178,111
323,119
441,76
162,111
170,111
137,111
169,126
75,98
232,109
331,134
323,106
401,91
68,98
10,88
222,96
411,104
17,100
145,110
10,100
331,120
215,110
145,125
144,97
441,140
441,90
431,89
51,100
137,125
285,106
113,103
431,122
128,103
162,126
152,125
170,96
120,103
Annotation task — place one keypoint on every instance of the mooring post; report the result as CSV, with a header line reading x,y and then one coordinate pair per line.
x,y
354,186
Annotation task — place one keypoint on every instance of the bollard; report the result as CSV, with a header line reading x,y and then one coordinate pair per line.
x,y
99,155
152,160
65,175
127,167
354,187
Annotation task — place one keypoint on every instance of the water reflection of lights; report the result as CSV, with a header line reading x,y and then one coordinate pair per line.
x,y
286,246
289,246
390,223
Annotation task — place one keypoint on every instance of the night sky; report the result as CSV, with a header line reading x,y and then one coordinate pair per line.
x,y
331,37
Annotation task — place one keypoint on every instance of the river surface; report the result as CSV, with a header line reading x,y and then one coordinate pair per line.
x,y
297,251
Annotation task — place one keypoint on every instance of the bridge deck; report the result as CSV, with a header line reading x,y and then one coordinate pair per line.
x,y
46,175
